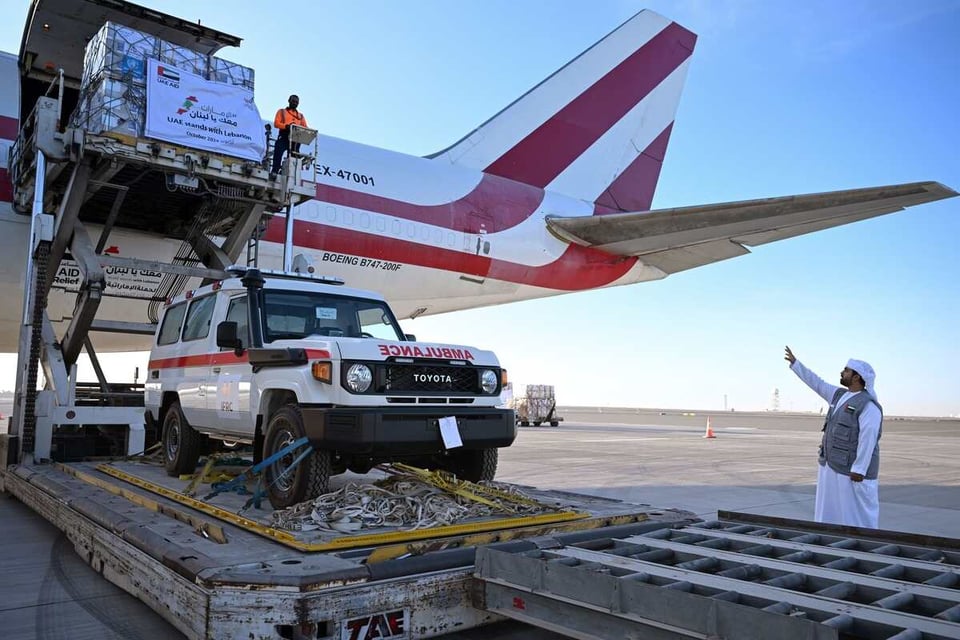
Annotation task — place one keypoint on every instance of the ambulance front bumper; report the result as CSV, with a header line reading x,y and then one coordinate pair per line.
x,y
405,430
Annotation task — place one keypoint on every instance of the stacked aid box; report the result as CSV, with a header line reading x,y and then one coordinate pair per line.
x,y
113,90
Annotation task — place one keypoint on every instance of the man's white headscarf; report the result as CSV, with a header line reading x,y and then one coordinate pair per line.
x,y
867,373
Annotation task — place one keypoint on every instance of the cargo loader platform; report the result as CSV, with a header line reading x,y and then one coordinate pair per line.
x,y
213,574
604,569
127,182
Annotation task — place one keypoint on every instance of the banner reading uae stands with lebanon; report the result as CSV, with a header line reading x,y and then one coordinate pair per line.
x,y
191,111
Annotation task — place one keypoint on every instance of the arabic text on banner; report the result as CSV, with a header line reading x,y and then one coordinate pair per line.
x,y
188,110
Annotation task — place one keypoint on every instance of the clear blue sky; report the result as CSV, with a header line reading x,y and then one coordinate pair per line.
x,y
781,98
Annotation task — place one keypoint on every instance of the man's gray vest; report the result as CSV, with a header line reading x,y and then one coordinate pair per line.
x,y
841,434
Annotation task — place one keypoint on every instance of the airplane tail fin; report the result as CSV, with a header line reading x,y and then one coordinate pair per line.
x,y
598,128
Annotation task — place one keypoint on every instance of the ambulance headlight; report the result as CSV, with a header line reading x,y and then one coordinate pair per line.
x,y
488,381
359,378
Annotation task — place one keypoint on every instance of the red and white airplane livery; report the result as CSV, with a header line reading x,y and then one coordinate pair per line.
x,y
551,195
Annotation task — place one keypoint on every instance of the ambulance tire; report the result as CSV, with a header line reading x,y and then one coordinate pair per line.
x,y
181,442
476,464
309,479
554,423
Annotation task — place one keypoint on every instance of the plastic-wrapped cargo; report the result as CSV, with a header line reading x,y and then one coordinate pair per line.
x,y
231,73
119,52
112,104
536,406
539,391
184,59
113,85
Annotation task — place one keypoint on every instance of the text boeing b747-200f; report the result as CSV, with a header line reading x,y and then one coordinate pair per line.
x,y
552,195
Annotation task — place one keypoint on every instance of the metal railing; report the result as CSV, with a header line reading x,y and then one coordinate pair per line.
x,y
27,136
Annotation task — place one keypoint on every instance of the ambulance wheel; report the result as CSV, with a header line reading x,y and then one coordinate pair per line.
x,y
181,442
309,478
476,464
554,423
524,423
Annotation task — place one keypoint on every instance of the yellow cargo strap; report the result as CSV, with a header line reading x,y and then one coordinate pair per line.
x,y
207,475
490,496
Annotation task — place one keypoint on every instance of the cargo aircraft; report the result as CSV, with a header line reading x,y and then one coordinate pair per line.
x,y
551,195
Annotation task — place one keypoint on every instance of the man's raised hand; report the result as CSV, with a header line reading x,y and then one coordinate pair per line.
x,y
788,355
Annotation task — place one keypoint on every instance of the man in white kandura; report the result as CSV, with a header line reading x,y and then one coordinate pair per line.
x,y
847,491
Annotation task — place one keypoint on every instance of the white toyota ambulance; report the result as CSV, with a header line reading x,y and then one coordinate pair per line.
x,y
270,358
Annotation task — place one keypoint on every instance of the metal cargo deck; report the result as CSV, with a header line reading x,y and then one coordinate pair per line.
x,y
741,576
212,576
619,570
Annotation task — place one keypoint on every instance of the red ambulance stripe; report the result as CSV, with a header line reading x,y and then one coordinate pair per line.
x,y
202,360
216,359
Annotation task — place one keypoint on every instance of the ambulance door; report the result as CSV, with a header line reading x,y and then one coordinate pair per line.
x,y
195,352
230,375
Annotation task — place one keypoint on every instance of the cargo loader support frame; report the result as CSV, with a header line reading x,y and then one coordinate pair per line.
x,y
52,166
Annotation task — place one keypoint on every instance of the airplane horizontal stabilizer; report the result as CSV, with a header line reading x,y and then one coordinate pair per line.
x,y
682,238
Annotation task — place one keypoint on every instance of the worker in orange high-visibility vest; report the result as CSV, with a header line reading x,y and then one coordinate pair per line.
x,y
282,121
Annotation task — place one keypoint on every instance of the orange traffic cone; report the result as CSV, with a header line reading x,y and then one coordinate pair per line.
x,y
709,432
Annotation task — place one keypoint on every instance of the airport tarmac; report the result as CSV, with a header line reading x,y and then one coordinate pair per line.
x,y
762,463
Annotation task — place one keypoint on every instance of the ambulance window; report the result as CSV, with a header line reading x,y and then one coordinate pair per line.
x,y
375,323
172,321
237,312
198,318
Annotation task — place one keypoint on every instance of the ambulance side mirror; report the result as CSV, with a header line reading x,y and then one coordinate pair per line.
x,y
228,338
409,337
